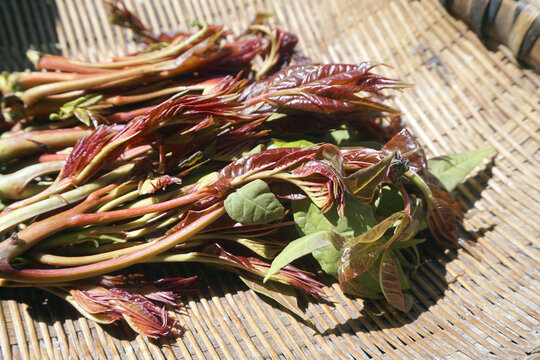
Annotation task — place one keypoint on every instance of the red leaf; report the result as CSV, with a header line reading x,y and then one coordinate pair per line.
x,y
285,190
252,266
85,150
363,183
362,252
111,298
442,222
323,88
235,56
268,159
389,278
355,159
408,148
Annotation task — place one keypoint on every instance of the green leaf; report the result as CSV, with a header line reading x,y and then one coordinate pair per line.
x,y
9,83
83,116
154,47
33,55
276,116
254,203
389,202
257,149
408,261
82,102
391,277
375,233
300,247
410,225
277,144
452,169
195,23
328,258
361,252
308,217
281,293
363,183
357,220
342,137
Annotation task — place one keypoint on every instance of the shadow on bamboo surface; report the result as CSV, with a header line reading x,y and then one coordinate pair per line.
x,y
465,97
27,24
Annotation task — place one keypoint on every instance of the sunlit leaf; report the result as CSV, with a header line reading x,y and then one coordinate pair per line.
x,y
408,148
276,144
82,102
264,249
450,170
363,183
357,220
376,232
328,258
362,252
254,203
300,247
327,88
342,136
356,261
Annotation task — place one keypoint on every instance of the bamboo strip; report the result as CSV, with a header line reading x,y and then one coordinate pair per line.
x,y
466,97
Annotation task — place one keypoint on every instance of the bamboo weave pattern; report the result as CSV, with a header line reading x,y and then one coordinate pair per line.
x,y
465,97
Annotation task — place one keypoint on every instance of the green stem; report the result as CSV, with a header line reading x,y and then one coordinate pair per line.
x,y
12,218
138,233
120,100
72,238
202,257
402,225
21,241
28,80
104,232
76,217
57,187
270,60
34,94
177,46
117,215
91,249
23,144
57,260
424,189
45,276
120,200
154,63
194,256
16,185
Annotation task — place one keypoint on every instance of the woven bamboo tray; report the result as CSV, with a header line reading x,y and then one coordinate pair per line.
x,y
466,97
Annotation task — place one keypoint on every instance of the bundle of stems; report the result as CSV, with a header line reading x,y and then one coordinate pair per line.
x,y
231,151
